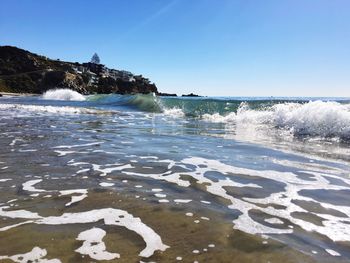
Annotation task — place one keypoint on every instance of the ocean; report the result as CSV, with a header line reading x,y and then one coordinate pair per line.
x,y
141,178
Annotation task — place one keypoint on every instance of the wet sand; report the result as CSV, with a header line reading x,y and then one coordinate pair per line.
x,y
177,230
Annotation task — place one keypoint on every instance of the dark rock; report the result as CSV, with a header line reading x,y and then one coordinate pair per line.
x,y
166,94
24,72
191,95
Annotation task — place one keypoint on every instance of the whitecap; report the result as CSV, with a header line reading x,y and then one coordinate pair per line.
x,y
315,118
63,94
174,112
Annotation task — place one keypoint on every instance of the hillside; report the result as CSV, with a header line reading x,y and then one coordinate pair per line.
x,y
24,72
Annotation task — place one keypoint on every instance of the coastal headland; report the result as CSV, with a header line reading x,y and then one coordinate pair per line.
x,y
24,72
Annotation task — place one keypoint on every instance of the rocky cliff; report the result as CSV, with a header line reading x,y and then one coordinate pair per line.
x,y
24,72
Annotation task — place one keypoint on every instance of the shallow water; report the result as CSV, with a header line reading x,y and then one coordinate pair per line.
x,y
109,180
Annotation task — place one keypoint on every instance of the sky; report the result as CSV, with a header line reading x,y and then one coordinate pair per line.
x,y
208,47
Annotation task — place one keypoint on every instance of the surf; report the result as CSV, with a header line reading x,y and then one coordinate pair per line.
x,y
301,118
63,94
324,119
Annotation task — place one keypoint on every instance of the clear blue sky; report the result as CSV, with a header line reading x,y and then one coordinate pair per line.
x,y
210,47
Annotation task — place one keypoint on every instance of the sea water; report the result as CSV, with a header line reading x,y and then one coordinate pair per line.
x,y
141,178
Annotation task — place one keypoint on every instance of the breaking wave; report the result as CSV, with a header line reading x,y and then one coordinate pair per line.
x,y
143,102
326,119
315,118
63,94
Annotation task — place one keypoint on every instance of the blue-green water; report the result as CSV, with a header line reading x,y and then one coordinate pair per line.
x,y
211,179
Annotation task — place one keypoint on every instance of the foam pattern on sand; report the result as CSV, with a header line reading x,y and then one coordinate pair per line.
x,y
94,246
110,216
36,255
333,226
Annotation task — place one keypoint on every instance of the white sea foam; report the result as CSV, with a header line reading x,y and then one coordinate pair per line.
x,y
104,184
183,201
18,213
45,109
106,171
110,216
157,190
36,255
15,141
315,118
160,195
334,227
77,145
5,180
82,194
333,252
63,153
274,220
174,112
29,186
63,94
94,246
